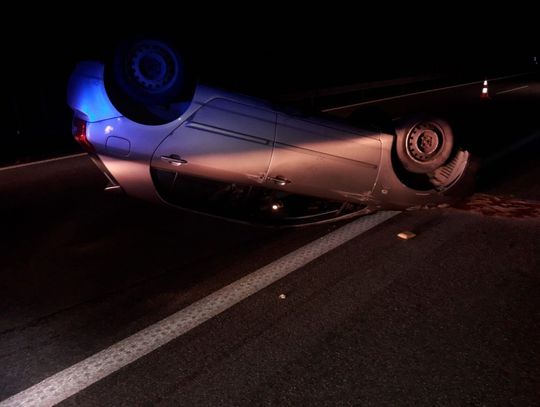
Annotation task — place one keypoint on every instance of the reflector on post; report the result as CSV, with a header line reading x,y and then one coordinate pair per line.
x,y
485,92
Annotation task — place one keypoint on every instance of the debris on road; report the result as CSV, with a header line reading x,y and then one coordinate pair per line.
x,y
501,206
406,235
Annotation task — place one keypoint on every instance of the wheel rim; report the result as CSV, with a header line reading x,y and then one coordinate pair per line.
x,y
152,66
424,142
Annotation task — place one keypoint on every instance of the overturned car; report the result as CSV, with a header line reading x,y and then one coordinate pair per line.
x,y
159,135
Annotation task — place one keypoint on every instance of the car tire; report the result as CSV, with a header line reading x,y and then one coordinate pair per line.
x,y
149,80
423,143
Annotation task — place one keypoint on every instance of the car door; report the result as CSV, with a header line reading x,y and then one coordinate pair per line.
x,y
321,158
224,140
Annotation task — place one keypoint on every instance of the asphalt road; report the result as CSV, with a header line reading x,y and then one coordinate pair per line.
x,y
450,317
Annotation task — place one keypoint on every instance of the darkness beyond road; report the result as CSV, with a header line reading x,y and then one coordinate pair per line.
x,y
450,317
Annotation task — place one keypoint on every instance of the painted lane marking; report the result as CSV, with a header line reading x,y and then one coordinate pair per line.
x,y
13,167
72,380
368,102
511,90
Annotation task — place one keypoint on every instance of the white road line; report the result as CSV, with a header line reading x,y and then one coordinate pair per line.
x,y
511,90
368,102
13,167
83,374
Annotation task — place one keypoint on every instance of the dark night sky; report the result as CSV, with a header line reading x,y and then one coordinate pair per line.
x,y
270,39
268,47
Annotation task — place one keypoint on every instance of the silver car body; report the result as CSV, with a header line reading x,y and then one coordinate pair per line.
x,y
237,139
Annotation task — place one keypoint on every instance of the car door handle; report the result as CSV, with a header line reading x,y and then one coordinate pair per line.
x,y
280,180
173,159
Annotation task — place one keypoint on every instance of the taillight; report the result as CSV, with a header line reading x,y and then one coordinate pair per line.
x,y
78,130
